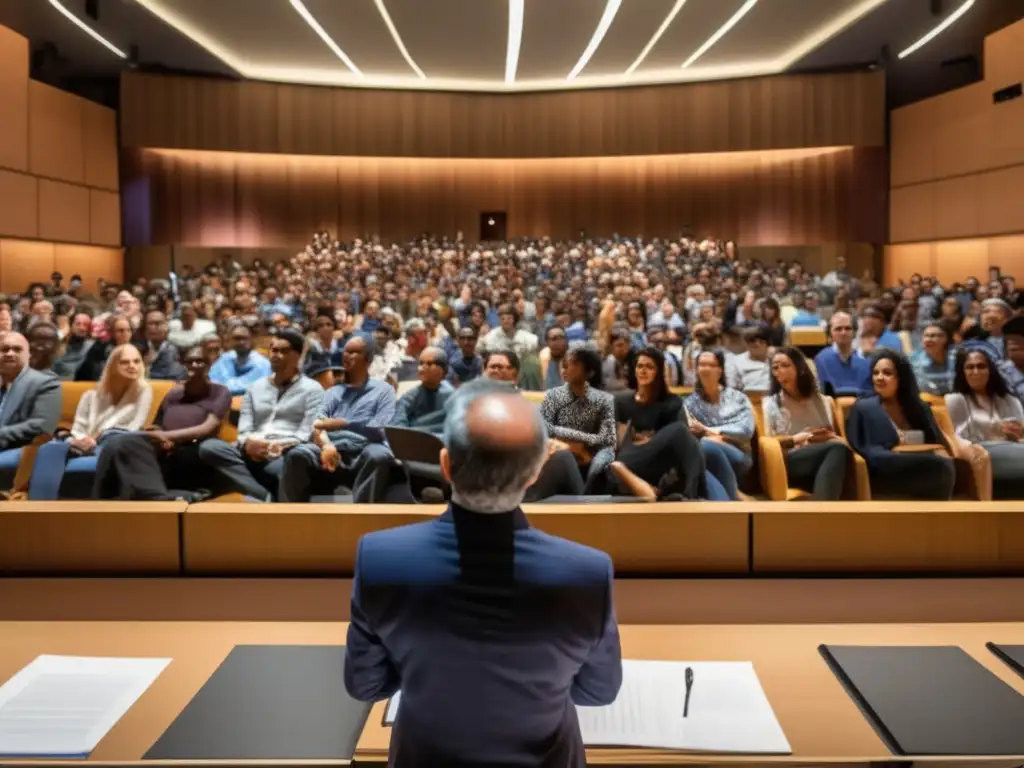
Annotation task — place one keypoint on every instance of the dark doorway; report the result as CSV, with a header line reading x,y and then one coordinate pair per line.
x,y
492,226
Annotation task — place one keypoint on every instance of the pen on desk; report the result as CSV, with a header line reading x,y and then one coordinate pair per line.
x,y
689,687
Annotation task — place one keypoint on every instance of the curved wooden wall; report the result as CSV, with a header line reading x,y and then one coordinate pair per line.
x,y
780,112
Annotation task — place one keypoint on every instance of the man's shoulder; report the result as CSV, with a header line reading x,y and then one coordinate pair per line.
x,y
40,379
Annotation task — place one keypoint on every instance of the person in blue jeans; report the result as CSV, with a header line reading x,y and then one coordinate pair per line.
x,y
722,418
120,403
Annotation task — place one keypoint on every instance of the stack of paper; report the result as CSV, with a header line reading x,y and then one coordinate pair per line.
x,y
728,711
61,706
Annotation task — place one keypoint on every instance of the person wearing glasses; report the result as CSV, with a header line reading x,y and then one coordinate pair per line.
x,y
243,366
144,466
352,417
421,408
325,348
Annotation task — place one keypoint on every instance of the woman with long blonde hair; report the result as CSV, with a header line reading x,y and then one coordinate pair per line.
x,y
120,403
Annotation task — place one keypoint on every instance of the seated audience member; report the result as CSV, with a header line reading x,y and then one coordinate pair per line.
x,y
988,420
421,408
351,420
740,313
242,366
159,355
1012,366
872,326
508,335
186,331
669,319
579,416
662,453
841,370
673,365
6,320
706,336
808,316
466,365
211,348
430,600
278,412
994,315
143,466
771,318
119,331
120,403
551,357
325,349
934,362
501,365
750,371
415,338
44,344
616,362
796,413
897,435
636,322
722,418
76,347
30,403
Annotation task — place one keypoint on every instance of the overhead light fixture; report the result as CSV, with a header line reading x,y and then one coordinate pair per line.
x,y
823,34
607,18
943,25
722,32
515,38
398,39
657,36
88,30
308,17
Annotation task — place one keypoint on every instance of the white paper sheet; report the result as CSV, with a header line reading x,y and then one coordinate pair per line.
x,y
729,712
61,706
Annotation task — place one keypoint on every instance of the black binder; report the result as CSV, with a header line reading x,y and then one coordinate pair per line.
x,y
931,700
269,702
1013,655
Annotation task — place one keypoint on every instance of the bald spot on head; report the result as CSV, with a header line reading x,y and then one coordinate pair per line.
x,y
502,421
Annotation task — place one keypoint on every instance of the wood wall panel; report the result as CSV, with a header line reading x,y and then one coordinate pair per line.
x,y
790,197
1004,56
63,212
56,125
23,262
784,111
91,262
104,217
14,98
19,204
955,260
99,139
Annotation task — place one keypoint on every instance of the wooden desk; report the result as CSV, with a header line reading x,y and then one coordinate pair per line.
x,y
320,539
889,537
90,538
822,723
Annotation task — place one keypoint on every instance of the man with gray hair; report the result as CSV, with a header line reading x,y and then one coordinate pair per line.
x,y
475,615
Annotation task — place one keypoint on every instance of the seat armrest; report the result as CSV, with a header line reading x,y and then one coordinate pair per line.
x,y
772,468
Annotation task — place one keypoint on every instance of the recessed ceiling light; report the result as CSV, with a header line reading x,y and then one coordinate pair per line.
x,y
515,38
657,36
308,17
398,39
722,32
89,30
607,17
943,25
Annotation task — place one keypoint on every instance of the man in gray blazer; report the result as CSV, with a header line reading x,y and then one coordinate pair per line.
x,y
30,403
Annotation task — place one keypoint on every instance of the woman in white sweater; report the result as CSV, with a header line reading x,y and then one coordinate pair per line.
x,y
120,403
988,421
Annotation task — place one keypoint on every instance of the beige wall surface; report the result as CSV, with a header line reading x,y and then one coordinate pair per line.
x,y
59,178
955,260
957,160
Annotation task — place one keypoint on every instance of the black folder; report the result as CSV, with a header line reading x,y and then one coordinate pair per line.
x,y
931,700
269,702
1013,655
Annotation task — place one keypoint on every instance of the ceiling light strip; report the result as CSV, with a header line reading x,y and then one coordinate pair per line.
x,y
515,38
722,32
398,39
308,17
607,18
823,34
196,35
657,36
89,30
943,25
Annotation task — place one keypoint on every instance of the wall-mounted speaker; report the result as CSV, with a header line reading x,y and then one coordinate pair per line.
x,y
1008,94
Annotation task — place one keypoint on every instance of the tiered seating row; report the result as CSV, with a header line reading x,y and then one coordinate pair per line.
x,y
707,539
